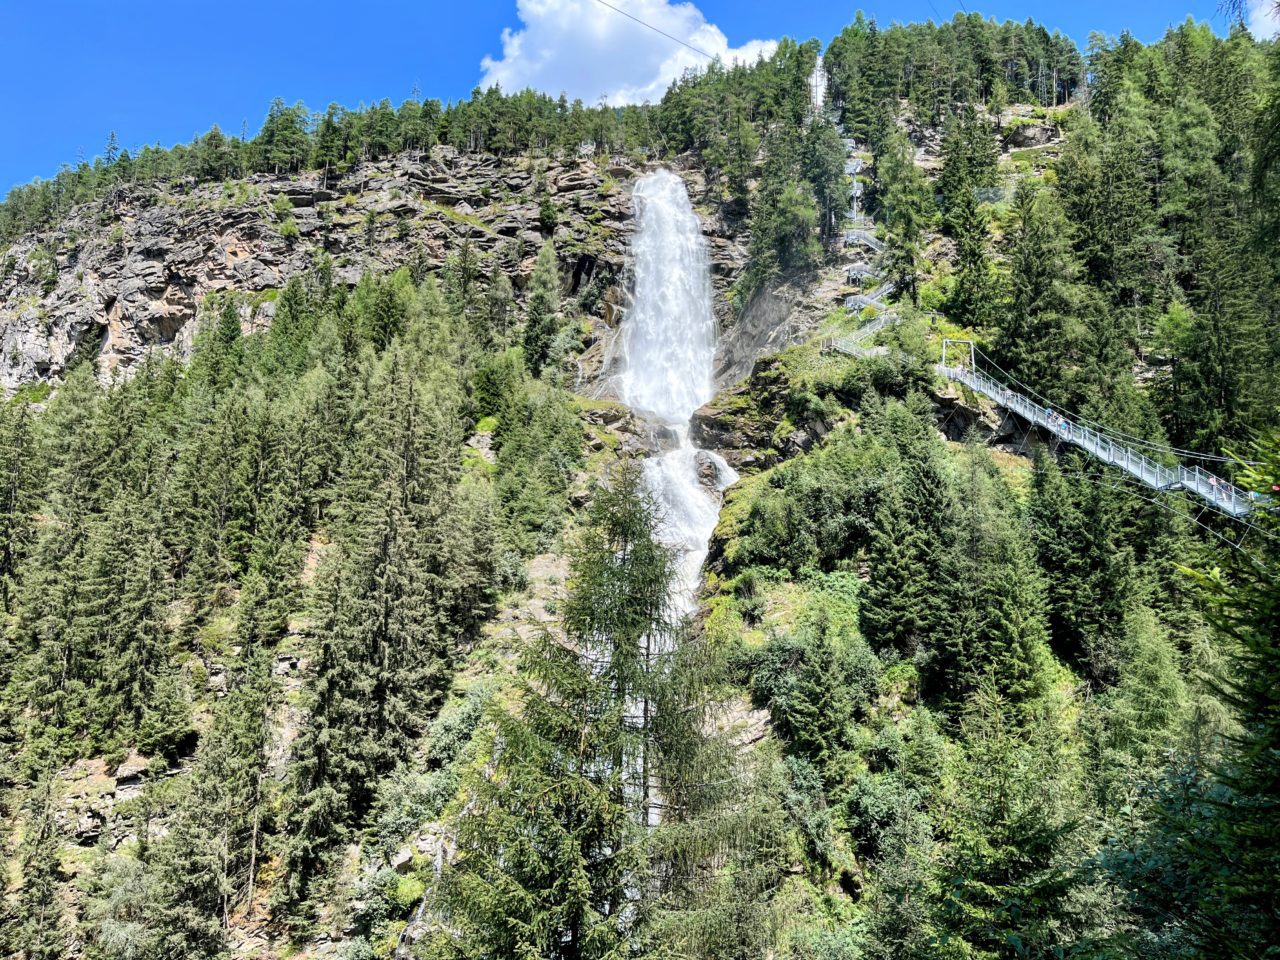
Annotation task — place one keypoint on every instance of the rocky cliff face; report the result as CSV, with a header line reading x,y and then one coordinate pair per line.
x,y
126,275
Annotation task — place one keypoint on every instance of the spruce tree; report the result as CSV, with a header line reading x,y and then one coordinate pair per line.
x,y
552,859
39,930
1032,339
204,867
542,312
1004,884
972,294
497,309
902,195
1233,816
996,631
405,584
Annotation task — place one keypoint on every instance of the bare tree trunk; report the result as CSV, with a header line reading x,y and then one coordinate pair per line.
x,y
253,843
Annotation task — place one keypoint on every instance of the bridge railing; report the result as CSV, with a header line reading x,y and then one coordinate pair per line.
x,y
862,236
1219,493
854,343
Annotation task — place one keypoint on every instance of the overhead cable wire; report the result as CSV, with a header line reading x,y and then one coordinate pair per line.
x,y
664,33
1139,485
1182,452
1133,491
1103,428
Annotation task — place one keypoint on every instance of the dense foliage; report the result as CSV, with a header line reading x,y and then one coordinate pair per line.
x,y
302,492
943,701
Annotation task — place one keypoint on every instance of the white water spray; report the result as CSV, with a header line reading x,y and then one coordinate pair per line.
x,y
817,87
668,347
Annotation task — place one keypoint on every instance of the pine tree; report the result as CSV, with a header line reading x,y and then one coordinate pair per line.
x,y
552,847
542,313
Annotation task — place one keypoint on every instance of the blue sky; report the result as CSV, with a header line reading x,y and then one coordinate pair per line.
x,y
163,71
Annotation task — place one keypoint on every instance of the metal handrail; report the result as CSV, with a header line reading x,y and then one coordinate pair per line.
x,y
1218,493
862,236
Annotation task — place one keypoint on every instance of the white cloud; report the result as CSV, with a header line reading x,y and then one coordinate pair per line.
x,y
586,50
1263,19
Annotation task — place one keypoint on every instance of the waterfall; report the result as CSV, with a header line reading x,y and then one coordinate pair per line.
x,y
668,349
817,87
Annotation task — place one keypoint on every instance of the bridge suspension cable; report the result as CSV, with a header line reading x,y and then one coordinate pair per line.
x,y
1129,438
1219,494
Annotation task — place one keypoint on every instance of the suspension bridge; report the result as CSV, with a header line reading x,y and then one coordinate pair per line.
x,y
1218,494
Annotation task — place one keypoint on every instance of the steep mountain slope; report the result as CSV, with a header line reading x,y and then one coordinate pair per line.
x,y
338,601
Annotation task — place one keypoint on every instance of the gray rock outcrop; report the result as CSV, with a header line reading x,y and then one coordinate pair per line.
x,y
125,275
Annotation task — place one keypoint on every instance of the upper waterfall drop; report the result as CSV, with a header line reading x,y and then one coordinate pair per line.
x,y
669,336
817,87
668,353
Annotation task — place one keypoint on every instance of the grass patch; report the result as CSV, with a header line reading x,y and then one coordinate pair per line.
x,y
449,213
32,393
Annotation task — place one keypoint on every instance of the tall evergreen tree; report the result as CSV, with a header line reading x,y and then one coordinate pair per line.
x,y
1033,339
972,294
552,858
542,312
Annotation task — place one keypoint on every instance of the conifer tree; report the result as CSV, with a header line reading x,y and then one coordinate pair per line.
x,y
971,300
1228,814
1032,342
1077,536
205,866
970,156
1004,886
497,308
54,664
996,630
39,930
542,313
404,586
900,606
903,197
552,859
18,483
